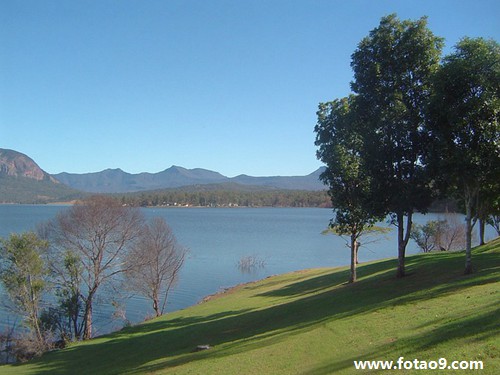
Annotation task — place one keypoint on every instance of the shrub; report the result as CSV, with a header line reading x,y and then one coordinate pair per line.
x,y
250,263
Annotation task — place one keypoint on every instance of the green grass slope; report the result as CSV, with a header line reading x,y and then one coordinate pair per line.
x,y
312,322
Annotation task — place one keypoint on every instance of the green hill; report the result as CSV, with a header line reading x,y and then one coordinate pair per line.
x,y
28,190
312,322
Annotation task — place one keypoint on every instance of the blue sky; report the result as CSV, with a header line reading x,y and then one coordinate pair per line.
x,y
231,86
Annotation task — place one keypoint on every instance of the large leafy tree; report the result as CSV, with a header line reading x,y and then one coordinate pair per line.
x,y
392,68
465,128
339,147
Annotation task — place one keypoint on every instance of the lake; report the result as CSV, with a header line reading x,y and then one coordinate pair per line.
x,y
287,239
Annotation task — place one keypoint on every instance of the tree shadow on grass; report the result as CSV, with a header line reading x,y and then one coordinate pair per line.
x,y
169,343
165,323
439,272
330,280
479,327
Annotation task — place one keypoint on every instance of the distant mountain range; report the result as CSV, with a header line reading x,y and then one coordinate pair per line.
x,y
118,181
23,181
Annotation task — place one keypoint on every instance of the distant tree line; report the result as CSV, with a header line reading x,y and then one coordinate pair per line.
x,y
227,198
417,127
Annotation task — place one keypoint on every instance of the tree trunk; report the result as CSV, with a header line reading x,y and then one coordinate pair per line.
x,y
33,307
403,238
482,224
354,251
156,306
357,252
38,331
77,331
468,234
87,316
87,329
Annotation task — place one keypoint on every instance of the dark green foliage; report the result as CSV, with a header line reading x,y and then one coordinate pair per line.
x,y
374,142
68,315
392,77
392,68
340,146
23,274
465,129
465,112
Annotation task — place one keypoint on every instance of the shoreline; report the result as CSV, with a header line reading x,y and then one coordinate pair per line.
x,y
71,203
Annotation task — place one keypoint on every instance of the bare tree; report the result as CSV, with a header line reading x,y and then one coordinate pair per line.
x,y
98,232
451,233
444,234
153,265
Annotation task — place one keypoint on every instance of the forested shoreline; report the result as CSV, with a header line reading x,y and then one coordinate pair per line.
x,y
225,198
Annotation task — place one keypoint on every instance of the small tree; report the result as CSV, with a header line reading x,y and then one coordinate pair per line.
x,y
67,316
23,273
444,234
339,147
426,236
90,241
451,233
153,264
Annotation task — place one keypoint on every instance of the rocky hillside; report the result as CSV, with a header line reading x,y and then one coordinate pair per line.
x,y
23,181
16,164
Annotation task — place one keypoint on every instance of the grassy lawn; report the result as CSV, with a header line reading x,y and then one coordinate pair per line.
x,y
312,322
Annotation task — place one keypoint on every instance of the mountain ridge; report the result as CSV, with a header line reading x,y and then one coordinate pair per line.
x,y
119,181
21,175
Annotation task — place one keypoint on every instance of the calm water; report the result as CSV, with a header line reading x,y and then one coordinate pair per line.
x,y
288,239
